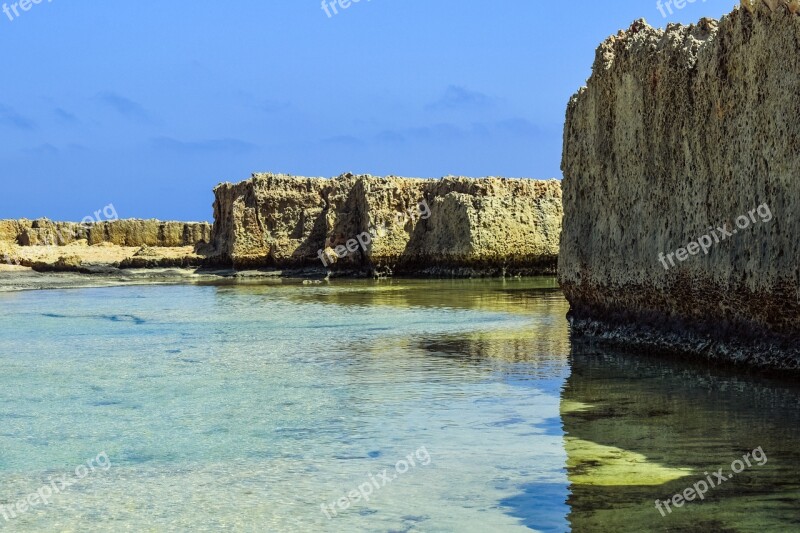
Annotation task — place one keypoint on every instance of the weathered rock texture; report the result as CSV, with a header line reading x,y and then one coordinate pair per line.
x,y
678,131
48,246
119,232
452,226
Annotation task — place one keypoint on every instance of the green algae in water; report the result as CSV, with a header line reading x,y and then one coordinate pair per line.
x,y
684,420
590,463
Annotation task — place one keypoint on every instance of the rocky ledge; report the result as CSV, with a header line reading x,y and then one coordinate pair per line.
x,y
48,246
130,232
389,225
681,162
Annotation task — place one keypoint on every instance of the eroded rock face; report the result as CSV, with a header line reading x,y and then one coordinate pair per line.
x,y
48,246
130,232
452,226
678,132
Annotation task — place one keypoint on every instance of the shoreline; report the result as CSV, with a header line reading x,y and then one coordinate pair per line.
x,y
20,278
16,279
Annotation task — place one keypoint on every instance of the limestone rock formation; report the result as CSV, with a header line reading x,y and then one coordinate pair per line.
x,y
678,132
48,246
71,263
452,226
132,232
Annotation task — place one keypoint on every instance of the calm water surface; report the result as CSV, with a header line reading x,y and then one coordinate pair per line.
x,y
249,407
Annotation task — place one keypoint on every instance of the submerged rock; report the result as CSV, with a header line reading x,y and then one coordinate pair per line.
x,y
680,134
391,225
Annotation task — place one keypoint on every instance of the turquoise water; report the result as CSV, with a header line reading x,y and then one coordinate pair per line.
x,y
249,407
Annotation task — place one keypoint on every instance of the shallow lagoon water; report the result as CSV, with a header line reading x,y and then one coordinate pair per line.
x,y
246,407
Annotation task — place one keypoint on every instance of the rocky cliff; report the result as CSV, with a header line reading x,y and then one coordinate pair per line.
x,y
452,226
131,232
682,191
96,247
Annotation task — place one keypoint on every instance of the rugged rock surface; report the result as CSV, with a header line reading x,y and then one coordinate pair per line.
x,y
452,226
677,132
119,232
48,246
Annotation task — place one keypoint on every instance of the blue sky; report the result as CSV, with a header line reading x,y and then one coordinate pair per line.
x,y
149,104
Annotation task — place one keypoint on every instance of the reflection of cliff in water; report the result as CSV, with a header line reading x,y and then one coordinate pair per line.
x,y
542,342
533,345
640,428
514,295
